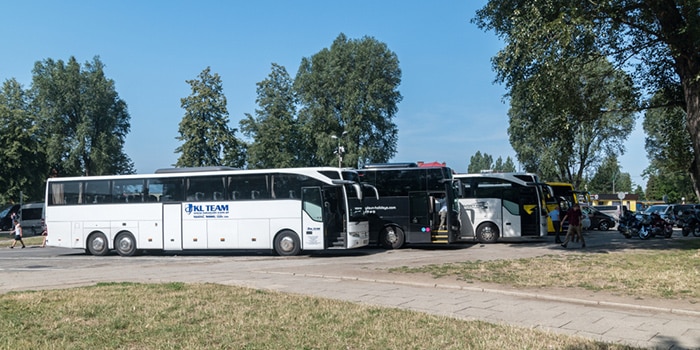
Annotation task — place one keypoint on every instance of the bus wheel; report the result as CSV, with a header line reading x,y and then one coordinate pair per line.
x,y
97,244
287,244
487,233
392,237
125,244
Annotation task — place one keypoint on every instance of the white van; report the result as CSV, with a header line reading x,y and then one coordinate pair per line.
x,y
32,218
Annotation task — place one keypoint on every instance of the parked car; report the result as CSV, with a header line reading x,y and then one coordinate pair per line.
x,y
599,220
613,210
680,210
32,218
666,211
6,216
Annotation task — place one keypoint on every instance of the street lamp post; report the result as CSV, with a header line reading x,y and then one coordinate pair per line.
x,y
339,150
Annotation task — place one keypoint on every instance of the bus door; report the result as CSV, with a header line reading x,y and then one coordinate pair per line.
x,y
312,210
172,226
530,205
334,210
420,220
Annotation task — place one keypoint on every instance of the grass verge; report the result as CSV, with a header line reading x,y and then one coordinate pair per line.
x,y
7,241
666,274
198,316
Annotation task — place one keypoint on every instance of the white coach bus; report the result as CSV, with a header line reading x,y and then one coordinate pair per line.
x,y
287,210
502,205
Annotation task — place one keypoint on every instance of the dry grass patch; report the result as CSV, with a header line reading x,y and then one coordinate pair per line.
x,y
180,316
6,241
670,274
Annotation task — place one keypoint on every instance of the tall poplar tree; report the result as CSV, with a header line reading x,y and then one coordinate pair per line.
x,y
22,156
84,121
206,137
275,126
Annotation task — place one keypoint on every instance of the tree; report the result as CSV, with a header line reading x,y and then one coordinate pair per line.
x,y
504,167
204,131
22,157
84,121
275,126
671,186
479,162
670,151
661,39
351,90
609,179
563,121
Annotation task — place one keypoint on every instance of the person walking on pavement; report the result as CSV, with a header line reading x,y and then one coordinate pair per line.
x,y
18,235
554,215
575,217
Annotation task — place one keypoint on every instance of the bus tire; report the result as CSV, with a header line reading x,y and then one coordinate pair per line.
x,y
97,244
487,233
287,244
392,237
125,244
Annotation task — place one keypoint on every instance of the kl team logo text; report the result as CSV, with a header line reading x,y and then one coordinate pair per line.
x,y
207,210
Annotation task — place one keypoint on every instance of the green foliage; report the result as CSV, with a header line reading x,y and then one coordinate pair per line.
x,y
350,88
670,149
674,186
609,179
207,139
660,39
563,120
479,162
22,156
275,126
84,123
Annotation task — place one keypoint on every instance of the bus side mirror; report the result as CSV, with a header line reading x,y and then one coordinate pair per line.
x,y
358,190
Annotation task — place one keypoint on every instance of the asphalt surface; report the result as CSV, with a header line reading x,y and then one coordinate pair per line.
x,y
361,276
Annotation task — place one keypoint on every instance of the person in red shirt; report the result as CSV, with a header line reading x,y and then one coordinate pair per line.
x,y
575,216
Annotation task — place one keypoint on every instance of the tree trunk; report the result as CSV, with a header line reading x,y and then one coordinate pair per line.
x,y
692,98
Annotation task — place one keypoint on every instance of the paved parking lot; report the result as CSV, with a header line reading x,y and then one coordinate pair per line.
x,y
361,276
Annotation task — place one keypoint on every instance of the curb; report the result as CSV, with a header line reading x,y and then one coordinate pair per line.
x,y
496,291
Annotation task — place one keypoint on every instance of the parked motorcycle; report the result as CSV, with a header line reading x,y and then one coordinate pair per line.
x,y
653,225
690,223
629,224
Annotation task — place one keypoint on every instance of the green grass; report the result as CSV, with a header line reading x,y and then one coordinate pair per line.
x,y
208,316
668,274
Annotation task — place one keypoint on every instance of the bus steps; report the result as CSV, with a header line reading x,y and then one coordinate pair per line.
x,y
339,243
440,237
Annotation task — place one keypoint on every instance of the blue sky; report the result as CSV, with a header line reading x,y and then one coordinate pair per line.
x,y
450,109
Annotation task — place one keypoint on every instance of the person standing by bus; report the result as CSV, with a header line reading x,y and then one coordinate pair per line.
x,y
575,217
554,215
44,235
442,203
18,235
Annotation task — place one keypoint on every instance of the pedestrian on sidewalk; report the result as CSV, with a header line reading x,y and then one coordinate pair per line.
x,y
554,215
18,235
575,217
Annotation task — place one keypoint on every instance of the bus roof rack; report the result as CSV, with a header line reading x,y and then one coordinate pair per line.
x,y
194,169
389,165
